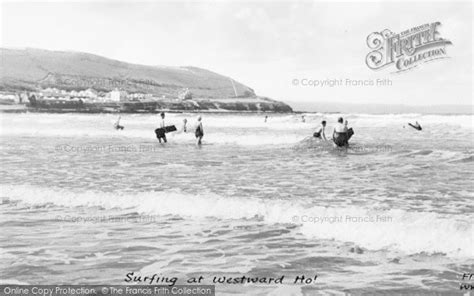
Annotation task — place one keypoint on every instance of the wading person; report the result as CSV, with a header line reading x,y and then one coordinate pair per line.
x,y
199,131
339,135
160,132
117,125
185,121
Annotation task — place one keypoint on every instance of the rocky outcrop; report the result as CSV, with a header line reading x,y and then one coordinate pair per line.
x,y
244,105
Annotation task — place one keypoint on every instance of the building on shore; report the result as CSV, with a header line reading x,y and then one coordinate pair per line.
x,y
139,96
10,97
185,94
86,96
117,95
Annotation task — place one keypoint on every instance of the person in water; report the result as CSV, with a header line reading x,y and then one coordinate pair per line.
x,y
416,126
199,133
341,133
349,130
303,119
160,132
185,121
117,125
320,134
266,117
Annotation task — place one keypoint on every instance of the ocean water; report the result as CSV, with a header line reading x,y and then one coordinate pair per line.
x,y
83,203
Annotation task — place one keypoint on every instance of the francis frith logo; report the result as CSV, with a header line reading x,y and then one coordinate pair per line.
x,y
407,49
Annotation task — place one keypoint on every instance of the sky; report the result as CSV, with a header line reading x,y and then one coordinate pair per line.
x,y
275,47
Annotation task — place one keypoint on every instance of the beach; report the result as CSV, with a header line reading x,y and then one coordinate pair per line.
x,y
86,204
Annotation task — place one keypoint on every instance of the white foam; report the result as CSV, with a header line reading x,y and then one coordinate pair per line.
x,y
410,232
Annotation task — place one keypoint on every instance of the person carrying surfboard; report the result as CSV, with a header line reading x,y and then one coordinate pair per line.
x,y
160,133
199,131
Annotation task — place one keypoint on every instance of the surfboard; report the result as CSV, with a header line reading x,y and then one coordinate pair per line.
x,y
170,128
167,129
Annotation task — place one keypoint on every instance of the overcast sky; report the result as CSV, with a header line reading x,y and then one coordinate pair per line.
x,y
264,45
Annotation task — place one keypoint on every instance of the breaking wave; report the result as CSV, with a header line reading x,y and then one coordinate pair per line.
x,y
410,232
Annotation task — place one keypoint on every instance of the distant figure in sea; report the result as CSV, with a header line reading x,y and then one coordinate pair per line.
x,y
185,121
320,133
266,117
303,119
342,133
160,132
416,126
199,133
117,125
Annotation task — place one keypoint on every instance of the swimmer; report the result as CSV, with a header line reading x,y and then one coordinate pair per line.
x,y
416,126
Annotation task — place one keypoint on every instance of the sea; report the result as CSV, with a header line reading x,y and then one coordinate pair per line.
x,y
83,203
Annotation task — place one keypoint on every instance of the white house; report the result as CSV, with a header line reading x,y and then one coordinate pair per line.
x,y
10,96
89,93
118,95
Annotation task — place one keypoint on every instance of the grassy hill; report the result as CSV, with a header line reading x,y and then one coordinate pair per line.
x,y
32,68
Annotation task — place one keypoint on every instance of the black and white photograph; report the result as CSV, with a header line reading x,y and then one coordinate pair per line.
x,y
240,147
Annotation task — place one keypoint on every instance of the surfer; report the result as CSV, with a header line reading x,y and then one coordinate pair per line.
x,y
117,125
416,126
320,134
160,132
199,131
303,119
266,117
